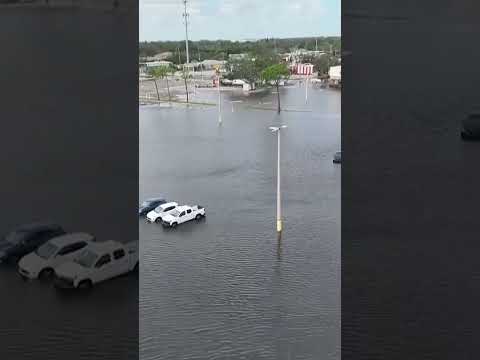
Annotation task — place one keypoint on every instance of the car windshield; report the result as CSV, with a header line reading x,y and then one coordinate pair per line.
x,y
86,258
159,209
46,250
175,213
145,203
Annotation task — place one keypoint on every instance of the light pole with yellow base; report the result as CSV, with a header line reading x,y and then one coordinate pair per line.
x,y
279,195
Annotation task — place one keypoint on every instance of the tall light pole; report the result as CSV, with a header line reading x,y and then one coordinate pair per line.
x,y
217,68
279,195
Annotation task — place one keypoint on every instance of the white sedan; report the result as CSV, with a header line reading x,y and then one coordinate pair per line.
x,y
42,262
160,211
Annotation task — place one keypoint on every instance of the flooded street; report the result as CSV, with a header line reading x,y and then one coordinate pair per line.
x,y
225,288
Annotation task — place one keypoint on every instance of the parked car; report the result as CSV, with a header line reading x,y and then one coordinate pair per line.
x,y
183,214
27,238
239,82
157,214
42,262
150,204
98,262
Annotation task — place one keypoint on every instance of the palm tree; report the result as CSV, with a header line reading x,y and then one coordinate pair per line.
x,y
161,72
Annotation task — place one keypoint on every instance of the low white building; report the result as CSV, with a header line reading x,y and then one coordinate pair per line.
x,y
335,75
145,66
212,64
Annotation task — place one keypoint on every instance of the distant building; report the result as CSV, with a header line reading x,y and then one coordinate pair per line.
x,y
335,75
237,57
302,69
160,56
299,55
212,64
145,66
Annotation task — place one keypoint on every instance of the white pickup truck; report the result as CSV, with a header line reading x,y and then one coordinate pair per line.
x,y
183,214
98,262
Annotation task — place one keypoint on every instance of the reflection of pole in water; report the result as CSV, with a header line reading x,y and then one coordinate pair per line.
x,y
279,246
306,90
219,101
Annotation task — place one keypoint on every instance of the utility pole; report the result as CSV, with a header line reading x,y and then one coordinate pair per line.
x,y
316,44
186,15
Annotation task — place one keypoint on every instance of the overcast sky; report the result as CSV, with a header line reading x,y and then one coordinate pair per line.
x,y
239,19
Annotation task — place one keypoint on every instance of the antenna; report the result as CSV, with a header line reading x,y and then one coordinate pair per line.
x,y
185,16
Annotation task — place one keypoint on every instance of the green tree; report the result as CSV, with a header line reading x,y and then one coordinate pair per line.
x,y
274,74
161,72
245,69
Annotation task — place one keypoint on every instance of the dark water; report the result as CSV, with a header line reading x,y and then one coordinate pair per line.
x,y
55,167
225,288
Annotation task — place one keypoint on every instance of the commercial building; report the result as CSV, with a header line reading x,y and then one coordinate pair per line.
x,y
302,69
335,75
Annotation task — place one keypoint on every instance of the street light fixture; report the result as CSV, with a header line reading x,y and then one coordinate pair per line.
x,y
279,198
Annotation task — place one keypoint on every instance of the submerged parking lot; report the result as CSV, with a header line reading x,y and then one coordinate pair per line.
x,y
225,287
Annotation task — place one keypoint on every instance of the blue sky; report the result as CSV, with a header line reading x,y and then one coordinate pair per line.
x,y
239,19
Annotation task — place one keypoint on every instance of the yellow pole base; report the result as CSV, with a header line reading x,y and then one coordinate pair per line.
x,y
279,225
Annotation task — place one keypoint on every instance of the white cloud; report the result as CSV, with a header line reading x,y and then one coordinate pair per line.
x,y
237,19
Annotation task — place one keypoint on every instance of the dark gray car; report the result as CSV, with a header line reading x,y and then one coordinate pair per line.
x,y
150,204
26,238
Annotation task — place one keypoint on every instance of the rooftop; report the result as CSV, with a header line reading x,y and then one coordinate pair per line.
x,y
164,206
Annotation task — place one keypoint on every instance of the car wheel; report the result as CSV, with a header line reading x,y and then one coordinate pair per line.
x,y
85,285
198,217
158,220
45,274
174,225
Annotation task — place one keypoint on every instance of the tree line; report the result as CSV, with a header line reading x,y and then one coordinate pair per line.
x,y
221,49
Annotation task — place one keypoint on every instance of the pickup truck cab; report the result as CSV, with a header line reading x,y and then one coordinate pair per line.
x,y
42,262
183,214
157,214
27,238
98,262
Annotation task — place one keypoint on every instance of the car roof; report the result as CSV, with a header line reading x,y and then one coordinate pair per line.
x,y
38,226
71,238
172,203
183,207
155,199
105,246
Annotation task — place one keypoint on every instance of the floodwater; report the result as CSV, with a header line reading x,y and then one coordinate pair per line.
x,y
225,287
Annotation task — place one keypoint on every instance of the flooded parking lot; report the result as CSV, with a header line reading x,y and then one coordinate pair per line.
x,y
225,288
